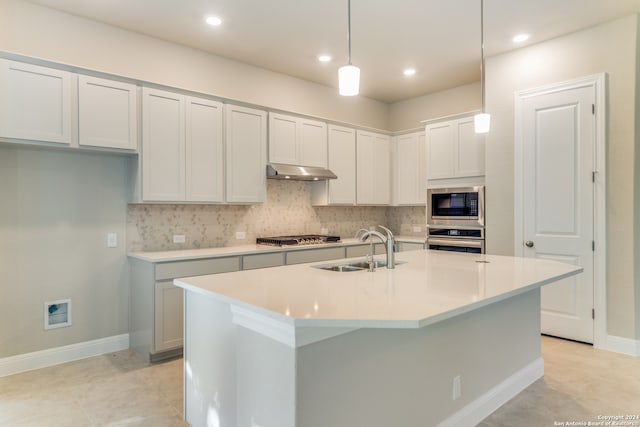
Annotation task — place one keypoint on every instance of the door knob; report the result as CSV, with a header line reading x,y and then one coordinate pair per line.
x,y
529,244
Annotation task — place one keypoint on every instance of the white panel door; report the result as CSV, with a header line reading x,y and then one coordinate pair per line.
x,y
558,161
283,139
342,162
246,154
107,114
35,102
204,151
313,143
163,146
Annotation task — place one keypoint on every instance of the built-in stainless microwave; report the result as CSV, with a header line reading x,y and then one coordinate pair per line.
x,y
456,206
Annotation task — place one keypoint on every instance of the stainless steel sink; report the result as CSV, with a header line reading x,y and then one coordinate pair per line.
x,y
341,268
354,266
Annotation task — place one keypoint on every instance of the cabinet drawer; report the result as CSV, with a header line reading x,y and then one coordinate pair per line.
x,y
249,262
314,255
199,267
409,246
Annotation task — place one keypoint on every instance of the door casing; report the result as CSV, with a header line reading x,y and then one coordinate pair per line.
x,y
598,83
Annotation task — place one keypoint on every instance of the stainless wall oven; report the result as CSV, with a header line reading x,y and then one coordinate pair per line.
x,y
455,219
469,240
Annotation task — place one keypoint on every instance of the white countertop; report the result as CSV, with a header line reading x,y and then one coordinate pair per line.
x,y
431,286
189,254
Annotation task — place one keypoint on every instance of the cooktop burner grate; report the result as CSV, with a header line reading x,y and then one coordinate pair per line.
x,y
304,239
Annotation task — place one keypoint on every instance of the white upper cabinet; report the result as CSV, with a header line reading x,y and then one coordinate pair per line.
x,y
297,141
373,179
246,154
342,162
107,114
204,151
409,169
35,103
182,148
163,146
454,150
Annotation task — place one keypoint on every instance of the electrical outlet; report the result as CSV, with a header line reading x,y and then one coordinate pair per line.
x,y
457,387
241,235
417,229
112,240
179,238
324,231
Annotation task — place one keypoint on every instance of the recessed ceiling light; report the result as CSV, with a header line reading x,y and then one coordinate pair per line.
x,y
214,21
520,38
409,71
324,58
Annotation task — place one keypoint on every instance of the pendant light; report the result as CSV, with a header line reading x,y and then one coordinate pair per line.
x,y
482,120
349,75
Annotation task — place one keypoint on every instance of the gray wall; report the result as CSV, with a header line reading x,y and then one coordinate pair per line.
x,y
57,208
609,48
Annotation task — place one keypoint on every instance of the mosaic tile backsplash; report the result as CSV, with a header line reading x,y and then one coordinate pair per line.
x,y
287,210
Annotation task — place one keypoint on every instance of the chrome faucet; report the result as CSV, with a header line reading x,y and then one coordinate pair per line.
x,y
388,241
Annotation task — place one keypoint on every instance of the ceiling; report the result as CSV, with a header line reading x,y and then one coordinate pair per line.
x,y
439,38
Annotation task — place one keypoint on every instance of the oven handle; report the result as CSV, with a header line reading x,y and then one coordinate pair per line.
x,y
456,242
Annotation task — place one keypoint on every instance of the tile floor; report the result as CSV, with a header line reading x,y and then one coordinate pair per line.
x,y
118,389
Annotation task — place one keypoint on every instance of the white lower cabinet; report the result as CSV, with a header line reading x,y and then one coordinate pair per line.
x,y
373,182
409,246
35,103
314,255
156,310
168,316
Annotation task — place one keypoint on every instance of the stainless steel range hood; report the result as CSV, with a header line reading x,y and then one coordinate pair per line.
x,y
298,173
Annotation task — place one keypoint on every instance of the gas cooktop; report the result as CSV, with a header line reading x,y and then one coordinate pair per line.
x,y
304,239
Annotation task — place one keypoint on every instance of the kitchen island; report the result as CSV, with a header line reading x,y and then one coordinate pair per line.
x,y
441,340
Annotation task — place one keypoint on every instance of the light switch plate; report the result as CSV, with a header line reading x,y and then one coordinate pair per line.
x,y
112,240
179,238
417,229
241,235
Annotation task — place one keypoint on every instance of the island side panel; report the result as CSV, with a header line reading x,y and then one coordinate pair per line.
x,y
209,362
265,381
386,377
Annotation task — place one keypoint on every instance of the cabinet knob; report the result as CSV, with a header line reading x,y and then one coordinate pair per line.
x,y
529,244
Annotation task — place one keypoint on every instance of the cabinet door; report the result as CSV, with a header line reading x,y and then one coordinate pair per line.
x,y
382,170
373,183
246,153
283,137
163,146
365,168
407,169
107,115
470,149
204,151
35,102
342,161
440,138
169,312
313,143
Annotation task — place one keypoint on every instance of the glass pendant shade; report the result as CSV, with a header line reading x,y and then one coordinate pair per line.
x,y
349,80
482,122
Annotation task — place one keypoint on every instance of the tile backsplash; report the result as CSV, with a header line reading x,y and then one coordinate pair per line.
x,y
287,210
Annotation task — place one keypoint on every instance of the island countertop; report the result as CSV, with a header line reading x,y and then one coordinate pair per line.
x,y
429,287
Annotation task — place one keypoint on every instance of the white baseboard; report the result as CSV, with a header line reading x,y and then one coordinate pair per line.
x,y
621,345
55,356
476,411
